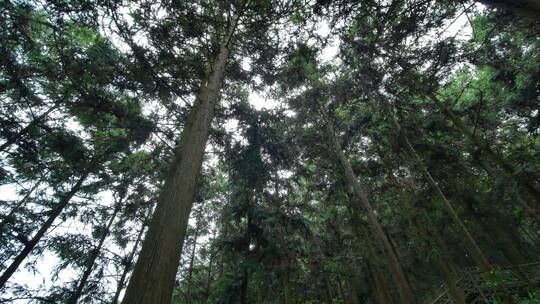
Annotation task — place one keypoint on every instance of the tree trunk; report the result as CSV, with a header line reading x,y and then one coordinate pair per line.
x,y
525,183
352,292
244,287
451,281
400,279
154,274
191,262
473,248
41,232
493,176
95,253
441,263
129,262
501,238
285,285
209,274
380,286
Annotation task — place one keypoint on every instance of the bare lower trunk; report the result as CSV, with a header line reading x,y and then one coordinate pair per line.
x,y
352,291
154,274
286,286
442,264
191,262
84,278
41,232
209,274
398,274
451,281
473,248
380,286
471,244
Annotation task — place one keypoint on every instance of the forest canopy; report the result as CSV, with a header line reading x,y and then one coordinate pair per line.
x,y
269,151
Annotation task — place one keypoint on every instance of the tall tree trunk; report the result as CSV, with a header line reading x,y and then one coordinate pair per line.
x,y
398,274
244,287
245,252
154,274
95,253
41,232
380,285
209,274
191,262
451,281
441,263
285,285
500,237
129,262
352,290
329,296
525,183
471,244
473,248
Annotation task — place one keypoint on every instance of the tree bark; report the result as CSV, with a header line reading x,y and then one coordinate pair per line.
x,y
154,274
95,253
352,290
244,287
472,246
41,232
380,285
191,262
398,274
209,273
441,263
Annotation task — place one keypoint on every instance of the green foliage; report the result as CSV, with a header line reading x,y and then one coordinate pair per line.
x,y
99,92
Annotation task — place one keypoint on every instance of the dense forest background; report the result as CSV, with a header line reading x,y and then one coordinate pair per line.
x,y
269,151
